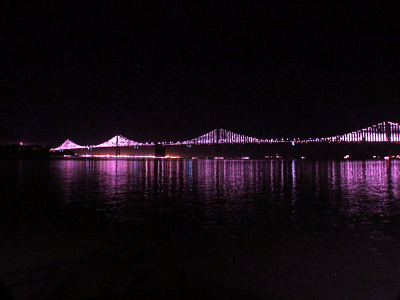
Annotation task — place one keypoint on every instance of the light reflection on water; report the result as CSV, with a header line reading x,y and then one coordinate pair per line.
x,y
237,197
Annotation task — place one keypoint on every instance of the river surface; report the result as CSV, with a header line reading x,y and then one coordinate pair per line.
x,y
232,203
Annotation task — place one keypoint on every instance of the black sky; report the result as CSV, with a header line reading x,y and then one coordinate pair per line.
x,y
151,71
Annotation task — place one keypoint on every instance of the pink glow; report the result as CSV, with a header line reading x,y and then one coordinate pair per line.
x,y
118,141
124,156
68,144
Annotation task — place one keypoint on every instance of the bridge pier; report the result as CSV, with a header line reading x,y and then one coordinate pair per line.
x,y
159,150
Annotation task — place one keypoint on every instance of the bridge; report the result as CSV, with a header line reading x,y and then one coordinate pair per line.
x,y
384,132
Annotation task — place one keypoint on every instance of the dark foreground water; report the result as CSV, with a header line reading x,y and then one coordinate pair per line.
x,y
200,229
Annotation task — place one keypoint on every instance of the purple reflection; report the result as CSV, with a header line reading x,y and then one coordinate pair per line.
x,y
238,193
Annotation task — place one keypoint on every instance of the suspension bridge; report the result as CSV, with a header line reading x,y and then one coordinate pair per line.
x,y
384,132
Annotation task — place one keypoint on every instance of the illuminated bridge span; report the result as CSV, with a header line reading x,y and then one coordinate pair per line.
x,y
382,132
116,141
222,136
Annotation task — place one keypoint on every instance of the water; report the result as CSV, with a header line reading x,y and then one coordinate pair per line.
x,y
195,204
235,197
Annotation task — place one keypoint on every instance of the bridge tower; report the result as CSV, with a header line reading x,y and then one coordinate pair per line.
x,y
388,132
218,145
117,148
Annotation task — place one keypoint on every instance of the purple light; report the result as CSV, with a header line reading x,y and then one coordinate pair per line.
x,y
382,132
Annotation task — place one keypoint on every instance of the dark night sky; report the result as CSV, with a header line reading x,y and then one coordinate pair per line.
x,y
155,71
